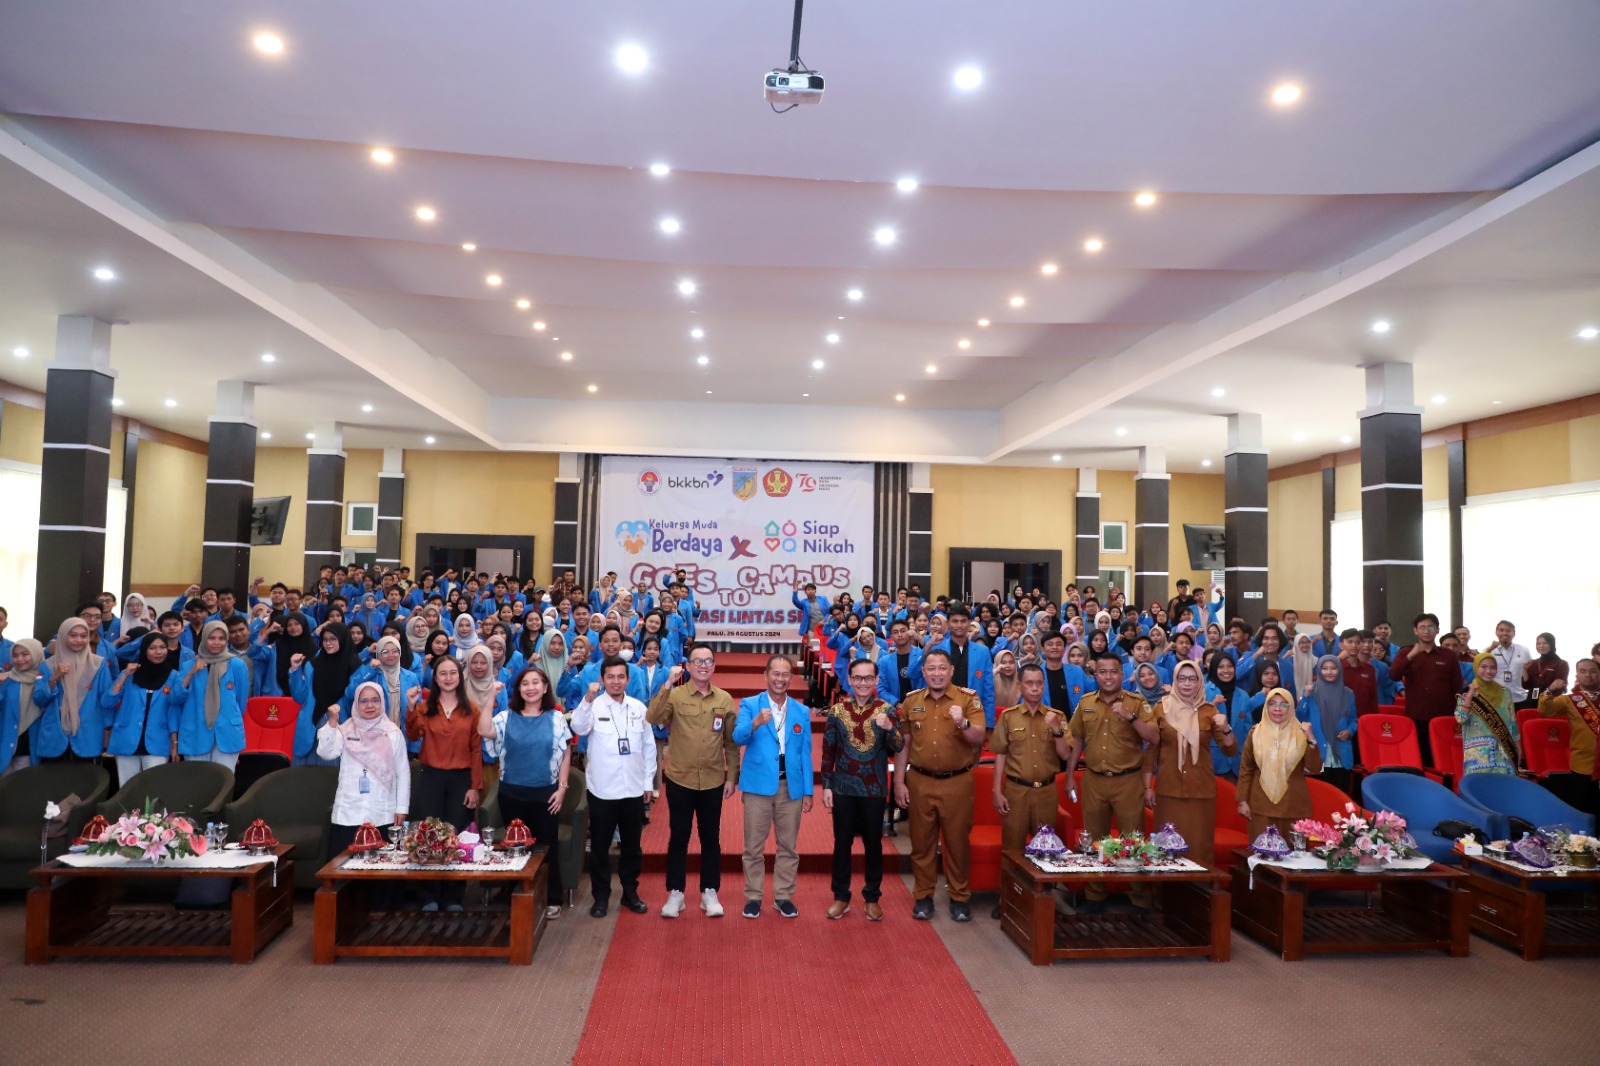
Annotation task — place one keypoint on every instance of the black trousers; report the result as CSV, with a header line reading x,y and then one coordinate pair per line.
x,y
855,816
684,807
532,805
626,818
442,794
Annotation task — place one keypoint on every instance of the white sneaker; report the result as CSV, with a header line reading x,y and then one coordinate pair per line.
x,y
673,906
710,904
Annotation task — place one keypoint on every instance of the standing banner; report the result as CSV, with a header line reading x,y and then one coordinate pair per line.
x,y
745,534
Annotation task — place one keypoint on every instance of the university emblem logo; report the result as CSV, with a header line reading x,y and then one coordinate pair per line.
x,y
744,482
777,482
1388,729
649,482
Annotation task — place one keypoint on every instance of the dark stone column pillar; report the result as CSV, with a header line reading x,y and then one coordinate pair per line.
x,y
1151,492
1086,526
75,472
391,506
1391,497
324,501
569,485
230,488
1244,518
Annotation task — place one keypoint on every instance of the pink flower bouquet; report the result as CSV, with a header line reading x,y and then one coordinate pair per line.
x,y
151,837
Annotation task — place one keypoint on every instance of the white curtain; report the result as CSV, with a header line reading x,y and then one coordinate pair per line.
x,y
19,544
1532,562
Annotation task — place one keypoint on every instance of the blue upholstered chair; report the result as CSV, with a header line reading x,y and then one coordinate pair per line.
x,y
1502,795
1423,803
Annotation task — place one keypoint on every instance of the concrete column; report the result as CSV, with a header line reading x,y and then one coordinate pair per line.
x,y
1086,524
1391,497
391,506
1244,518
1151,494
230,490
324,500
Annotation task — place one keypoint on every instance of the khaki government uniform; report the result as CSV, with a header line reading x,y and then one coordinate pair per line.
x,y
939,761
1186,793
1031,768
1112,755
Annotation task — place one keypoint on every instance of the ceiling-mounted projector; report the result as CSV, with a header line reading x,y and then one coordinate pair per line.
x,y
793,87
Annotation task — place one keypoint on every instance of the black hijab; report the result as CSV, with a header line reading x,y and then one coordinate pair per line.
x,y
151,676
1225,687
330,674
288,647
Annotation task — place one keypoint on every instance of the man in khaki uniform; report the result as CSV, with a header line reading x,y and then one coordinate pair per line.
x,y
1109,732
943,727
1029,743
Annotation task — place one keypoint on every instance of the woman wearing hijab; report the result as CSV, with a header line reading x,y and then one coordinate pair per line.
x,y
1223,690
387,670
1302,665
374,777
71,719
360,638
1181,786
143,708
505,666
1546,666
1146,681
215,690
135,612
417,632
1007,680
1489,743
319,685
487,692
1273,765
23,696
864,645
465,628
552,654
1330,707
284,640
1270,677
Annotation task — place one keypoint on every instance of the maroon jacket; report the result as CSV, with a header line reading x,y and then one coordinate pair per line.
x,y
1432,680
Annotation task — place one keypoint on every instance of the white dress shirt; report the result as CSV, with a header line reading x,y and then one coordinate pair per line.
x,y
1511,661
611,774
351,806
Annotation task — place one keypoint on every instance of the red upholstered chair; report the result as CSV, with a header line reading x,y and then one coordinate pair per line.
x,y
1327,800
1524,716
1232,830
269,723
1389,742
985,836
1444,735
1547,745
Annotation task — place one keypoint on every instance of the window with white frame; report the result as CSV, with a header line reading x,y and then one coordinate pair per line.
x,y
361,519
1114,537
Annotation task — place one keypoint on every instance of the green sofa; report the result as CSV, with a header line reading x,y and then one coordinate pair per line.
x,y
197,789
297,803
23,795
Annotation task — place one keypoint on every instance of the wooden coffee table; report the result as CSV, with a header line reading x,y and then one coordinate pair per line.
x,y
70,912
345,925
1405,910
1506,905
1191,919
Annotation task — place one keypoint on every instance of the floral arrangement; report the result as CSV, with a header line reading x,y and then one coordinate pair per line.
x,y
1582,850
1134,848
1353,840
432,842
152,837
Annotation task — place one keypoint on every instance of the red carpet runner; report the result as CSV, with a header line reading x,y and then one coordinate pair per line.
x,y
784,992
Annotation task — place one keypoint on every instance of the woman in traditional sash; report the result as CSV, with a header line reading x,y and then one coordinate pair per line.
x,y
1488,723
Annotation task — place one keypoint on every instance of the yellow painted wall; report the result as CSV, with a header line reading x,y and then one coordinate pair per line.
x,y
282,472
1435,473
1522,459
1294,543
1346,489
168,516
21,434
1585,448
1032,507
500,493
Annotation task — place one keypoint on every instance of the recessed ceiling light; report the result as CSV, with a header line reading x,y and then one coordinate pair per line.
x,y
687,287
265,435
1205,462
1122,431
1437,400
1093,244
660,170
105,274
884,235
697,333
833,338
703,360
429,440
1219,391
494,280
594,388
311,436
1048,269
426,213
382,156
170,402
805,395
1018,301
963,343
1382,326
20,352
269,44
817,364
1145,199
670,225
1588,333
1496,403
1299,436
268,357
1286,94
1346,439
539,326
967,78
468,246
116,401
366,408
983,323
899,397
632,59
523,303
854,294
1056,458
931,368
906,184
566,357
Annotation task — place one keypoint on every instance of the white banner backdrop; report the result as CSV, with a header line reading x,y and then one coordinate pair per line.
x,y
746,533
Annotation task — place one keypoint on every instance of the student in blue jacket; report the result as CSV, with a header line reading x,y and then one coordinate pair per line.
x,y
1269,674
979,669
24,693
575,682
143,707
899,668
71,718
215,690
1330,707
813,608
319,685
1223,691
400,686
775,776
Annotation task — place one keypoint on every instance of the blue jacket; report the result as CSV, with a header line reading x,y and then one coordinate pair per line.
x,y
1130,668
758,770
800,604
980,675
1221,762
47,739
573,684
1330,746
889,687
654,685
409,679
137,710
194,738
11,718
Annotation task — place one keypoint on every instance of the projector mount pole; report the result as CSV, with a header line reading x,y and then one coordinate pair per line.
x,y
794,39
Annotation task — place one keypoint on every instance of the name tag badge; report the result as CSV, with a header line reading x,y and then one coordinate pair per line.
x,y
716,724
366,786
623,747
602,718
